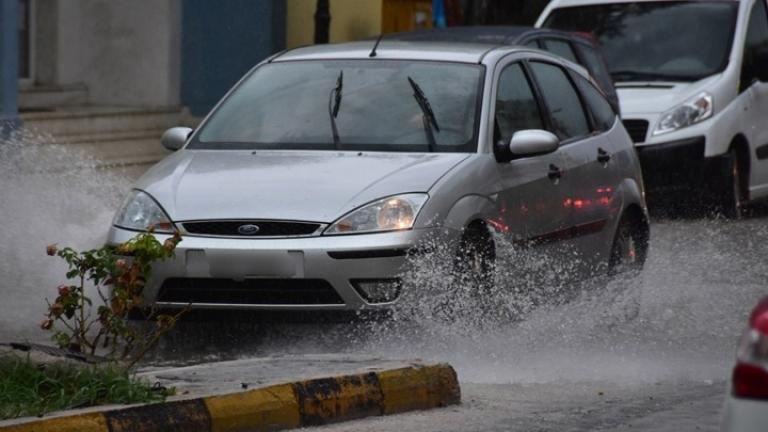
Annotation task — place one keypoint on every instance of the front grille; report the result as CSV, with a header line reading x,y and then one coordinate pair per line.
x,y
231,228
637,129
249,291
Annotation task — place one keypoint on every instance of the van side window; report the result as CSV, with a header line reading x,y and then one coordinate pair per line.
x,y
602,112
516,105
562,100
561,48
756,44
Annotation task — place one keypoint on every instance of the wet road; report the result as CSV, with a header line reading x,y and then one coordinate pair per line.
x,y
652,353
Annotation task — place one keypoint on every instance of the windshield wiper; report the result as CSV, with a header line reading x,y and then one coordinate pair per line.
x,y
334,103
628,75
428,116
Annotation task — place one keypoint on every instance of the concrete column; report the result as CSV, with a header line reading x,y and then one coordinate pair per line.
x,y
9,62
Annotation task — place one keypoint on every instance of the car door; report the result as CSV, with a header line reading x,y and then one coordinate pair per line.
x,y
755,93
586,157
532,189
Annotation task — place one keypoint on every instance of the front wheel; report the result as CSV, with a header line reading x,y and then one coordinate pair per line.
x,y
732,196
630,247
475,260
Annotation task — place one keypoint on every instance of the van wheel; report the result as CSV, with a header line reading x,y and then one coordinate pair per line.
x,y
732,197
630,247
475,260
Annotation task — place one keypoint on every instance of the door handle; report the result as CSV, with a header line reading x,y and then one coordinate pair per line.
x,y
554,172
602,156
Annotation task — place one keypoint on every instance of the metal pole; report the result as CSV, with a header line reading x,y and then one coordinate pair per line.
x,y
9,65
322,22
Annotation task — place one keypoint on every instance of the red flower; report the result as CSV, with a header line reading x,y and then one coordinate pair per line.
x,y
63,290
51,250
57,309
47,324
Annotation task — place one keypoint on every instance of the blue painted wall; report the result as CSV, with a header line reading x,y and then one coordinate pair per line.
x,y
221,41
9,61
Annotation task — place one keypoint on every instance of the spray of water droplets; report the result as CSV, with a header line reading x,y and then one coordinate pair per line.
x,y
49,194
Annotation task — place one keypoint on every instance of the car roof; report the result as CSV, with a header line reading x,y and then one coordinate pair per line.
x,y
497,35
391,49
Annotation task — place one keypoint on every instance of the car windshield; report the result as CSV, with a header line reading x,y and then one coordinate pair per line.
x,y
654,41
377,105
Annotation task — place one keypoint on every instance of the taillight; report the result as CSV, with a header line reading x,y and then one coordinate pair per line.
x,y
750,376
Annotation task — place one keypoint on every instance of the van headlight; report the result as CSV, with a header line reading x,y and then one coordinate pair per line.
x,y
691,112
140,212
388,214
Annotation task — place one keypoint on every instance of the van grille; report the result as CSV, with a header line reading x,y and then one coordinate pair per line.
x,y
637,129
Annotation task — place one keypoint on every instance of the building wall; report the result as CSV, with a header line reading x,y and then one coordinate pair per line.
x,y
221,43
126,52
350,20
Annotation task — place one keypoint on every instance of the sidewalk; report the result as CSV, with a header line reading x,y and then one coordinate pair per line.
x,y
271,393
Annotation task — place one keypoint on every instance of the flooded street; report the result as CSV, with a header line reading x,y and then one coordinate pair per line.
x,y
661,344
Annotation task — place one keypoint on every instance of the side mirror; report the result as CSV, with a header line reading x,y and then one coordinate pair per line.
x,y
175,137
527,143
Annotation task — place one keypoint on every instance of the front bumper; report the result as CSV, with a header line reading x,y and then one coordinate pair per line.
x,y
226,272
678,164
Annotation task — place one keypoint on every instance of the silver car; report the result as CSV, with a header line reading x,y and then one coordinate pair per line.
x,y
311,182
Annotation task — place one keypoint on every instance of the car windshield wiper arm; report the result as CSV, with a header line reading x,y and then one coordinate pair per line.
x,y
428,116
334,103
624,75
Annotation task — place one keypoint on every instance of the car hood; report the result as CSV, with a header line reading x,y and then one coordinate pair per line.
x,y
657,97
317,186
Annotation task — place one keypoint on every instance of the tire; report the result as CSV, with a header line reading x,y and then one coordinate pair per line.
x,y
732,196
630,247
475,260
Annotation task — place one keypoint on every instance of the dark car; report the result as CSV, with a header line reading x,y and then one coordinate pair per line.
x,y
576,47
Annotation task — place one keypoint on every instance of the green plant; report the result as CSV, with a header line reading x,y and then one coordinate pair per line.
x,y
31,389
118,275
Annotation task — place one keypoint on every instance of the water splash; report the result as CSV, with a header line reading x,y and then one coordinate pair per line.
x,y
48,194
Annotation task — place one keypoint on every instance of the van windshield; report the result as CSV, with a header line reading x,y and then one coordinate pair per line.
x,y
377,105
656,41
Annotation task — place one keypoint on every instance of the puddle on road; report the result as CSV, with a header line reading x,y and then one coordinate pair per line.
x,y
679,319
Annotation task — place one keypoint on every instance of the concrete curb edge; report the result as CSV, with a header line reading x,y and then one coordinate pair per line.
x,y
282,406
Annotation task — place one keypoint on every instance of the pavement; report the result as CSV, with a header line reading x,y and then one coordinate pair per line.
x,y
274,393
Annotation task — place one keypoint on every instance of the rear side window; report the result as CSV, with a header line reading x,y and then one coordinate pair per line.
x,y
756,43
561,48
568,118
516,106
596,66
602,112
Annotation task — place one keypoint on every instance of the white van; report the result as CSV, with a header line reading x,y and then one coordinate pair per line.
x,y
692,79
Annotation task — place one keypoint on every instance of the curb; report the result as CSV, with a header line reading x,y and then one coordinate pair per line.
x,y
282,406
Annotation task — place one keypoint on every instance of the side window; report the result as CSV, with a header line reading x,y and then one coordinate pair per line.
x,y
533,44
561,48
516,105
568,118
602,112
596,66
756,44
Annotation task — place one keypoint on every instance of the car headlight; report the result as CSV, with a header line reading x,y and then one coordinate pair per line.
x,y
389,214
691,112
141,212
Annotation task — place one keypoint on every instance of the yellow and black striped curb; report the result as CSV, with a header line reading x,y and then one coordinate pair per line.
x,y
283,406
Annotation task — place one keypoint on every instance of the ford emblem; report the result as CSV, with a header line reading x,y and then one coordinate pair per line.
x,y
248,229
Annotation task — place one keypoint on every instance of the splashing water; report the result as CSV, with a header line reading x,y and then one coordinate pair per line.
x,y
679,319
48,194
